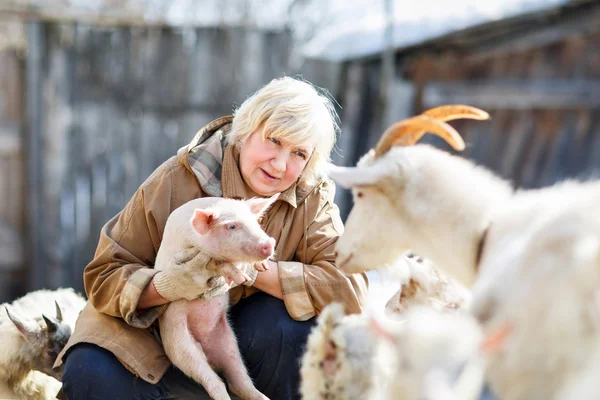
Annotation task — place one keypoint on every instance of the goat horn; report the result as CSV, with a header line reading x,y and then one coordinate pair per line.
x,y
451,112
58,312
51,324
408,131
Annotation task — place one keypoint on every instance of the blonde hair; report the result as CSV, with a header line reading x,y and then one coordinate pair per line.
x,y
292,110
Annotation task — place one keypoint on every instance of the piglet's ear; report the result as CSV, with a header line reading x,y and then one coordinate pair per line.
x,y
203,220
259,205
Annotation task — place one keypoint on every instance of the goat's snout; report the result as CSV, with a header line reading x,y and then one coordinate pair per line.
x,y
266,249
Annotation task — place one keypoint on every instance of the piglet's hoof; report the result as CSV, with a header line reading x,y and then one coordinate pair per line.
x,y
216,281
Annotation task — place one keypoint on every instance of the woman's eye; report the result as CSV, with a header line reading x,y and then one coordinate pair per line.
x,y
277,142
231,227
301,155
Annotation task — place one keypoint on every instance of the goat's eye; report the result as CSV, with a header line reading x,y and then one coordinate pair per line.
x,y
52,353
231,227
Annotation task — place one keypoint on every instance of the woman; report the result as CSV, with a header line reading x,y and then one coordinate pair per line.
x,y
276,142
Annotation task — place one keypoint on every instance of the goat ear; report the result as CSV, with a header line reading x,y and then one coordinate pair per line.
x,y
27,329
349,177
59,316
51,324
203,219
495,340
258,205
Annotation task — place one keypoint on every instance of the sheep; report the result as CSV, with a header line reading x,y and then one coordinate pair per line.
x,y
338,361
340,350
32,339
430,355
419,355
419,198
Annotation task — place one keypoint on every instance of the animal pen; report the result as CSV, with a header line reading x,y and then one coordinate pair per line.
x,y
89,110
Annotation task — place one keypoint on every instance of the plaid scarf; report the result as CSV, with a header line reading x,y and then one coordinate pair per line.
x,y
205,156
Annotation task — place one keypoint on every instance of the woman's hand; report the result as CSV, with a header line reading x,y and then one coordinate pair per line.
x,y
268,280
187,276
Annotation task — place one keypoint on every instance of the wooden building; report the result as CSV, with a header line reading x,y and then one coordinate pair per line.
x,y
537,74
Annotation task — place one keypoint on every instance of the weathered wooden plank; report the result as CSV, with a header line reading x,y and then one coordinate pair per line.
x,y
35,53
516,94
11,141
11,247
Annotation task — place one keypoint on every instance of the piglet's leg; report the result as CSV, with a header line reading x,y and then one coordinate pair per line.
x,y
187,354
231,363
229,271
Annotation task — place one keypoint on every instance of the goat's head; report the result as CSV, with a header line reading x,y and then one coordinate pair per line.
x,y
373,237
46,338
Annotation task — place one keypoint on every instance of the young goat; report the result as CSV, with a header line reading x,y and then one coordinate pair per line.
x,y
427,285
428,355
196,334
32,338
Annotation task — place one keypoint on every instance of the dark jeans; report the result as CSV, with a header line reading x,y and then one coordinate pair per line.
x,y
270,341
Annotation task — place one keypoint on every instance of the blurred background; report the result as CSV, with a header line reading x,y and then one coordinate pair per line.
x,y
95,94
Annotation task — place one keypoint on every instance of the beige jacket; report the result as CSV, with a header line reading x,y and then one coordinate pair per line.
x,y
304,221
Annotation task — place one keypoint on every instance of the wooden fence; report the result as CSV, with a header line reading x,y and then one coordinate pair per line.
x,y
105,106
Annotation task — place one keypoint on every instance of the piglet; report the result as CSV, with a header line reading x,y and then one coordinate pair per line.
x,y
225,236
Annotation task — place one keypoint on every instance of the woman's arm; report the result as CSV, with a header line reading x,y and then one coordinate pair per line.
x,y
150,297
119,276
313,281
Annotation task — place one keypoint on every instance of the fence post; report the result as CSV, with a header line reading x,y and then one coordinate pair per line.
x,y
33,154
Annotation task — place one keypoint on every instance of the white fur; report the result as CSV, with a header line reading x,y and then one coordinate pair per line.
x,y
430,355
20,359
538,272
540,275
427,285
338,362
430,202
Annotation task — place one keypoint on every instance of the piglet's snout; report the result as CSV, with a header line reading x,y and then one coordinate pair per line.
x,y
266,248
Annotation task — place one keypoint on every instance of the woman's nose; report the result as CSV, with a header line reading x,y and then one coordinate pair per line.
x,y
279,162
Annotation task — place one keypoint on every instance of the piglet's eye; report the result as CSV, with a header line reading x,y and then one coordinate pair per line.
x,y
359,194
231,227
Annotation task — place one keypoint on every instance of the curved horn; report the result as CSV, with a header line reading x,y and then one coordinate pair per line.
x,y
58,312
349,177
408,131
451,112
51,324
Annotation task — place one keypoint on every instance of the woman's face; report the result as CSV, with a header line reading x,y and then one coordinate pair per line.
x,y
271,166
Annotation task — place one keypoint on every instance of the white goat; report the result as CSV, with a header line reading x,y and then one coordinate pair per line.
x,y
419,198
535,253
430,355
32,339
539,294
427,285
